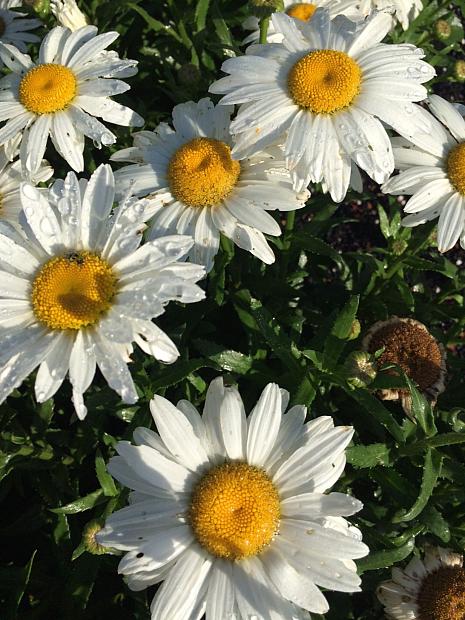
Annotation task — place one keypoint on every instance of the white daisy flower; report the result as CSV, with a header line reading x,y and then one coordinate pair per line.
x,y
232,513
77,289
199,190
433,172
14,29
68,14
62,94
302,12
11,177
403,11
428,589
327,84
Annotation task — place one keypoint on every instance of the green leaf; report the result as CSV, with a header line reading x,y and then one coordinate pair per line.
x,y
106,481
176,373
431,471
445,439
384,222
436,523
226,359
379,412
375,454
201,11
340,332
81,504
386,557
421,409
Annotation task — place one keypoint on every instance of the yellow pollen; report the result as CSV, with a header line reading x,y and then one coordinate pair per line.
x,y
303,11
442,595
202,172
235,511
324,81
47,88
456,167
73,291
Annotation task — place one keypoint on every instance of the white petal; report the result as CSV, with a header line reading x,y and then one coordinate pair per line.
x,y
37,141
211,418
177,434
315,505
264,422
67,141
220,597
451,222
53,369
233,424
448,115
155,468
178,594
97,203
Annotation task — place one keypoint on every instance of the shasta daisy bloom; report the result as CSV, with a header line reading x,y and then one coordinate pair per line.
x,y
68,14
198,189
328,85
433,172
403,11
428,589
11,177
77,289
61,95
302,12
231,512
14,29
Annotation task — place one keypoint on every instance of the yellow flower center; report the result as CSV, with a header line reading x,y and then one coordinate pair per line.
x,y
47,88
442,594
302,10
202,172
456,167
73,291
324,81
235,511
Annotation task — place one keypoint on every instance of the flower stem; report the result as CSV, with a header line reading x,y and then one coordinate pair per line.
x,y
264,23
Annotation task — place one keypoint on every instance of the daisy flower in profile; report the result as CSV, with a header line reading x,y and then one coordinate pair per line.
x,y
433,172
68,14
77,289
328,85
428,589
231,512
11,177
61,95
403,11
197,188
302,12
14,29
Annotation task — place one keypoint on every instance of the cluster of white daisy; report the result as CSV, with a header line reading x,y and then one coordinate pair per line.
x,y
228,510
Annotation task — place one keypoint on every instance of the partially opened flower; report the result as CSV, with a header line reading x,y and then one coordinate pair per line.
x,y
11,177
408,344
68,14
231,512
403,11
433,172
328,85
15,26
77,289
61,95
199,190
303,12
428,589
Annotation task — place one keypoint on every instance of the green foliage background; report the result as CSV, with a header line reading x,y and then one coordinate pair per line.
x,y
289,322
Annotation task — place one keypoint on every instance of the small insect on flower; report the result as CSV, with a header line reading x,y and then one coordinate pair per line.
x,y
232,512
78,289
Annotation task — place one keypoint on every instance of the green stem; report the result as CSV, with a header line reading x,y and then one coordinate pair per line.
x,y
290,221
264,23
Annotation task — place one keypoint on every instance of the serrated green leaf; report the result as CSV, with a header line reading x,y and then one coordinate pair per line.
x,y
81,504
201,11
386,557
372,455
421,409
340,332
384,222
379,412
436,523
106,481
431,471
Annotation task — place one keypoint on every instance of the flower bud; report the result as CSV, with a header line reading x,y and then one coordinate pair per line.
x,y
360,369
442,29
459,70
265,8
89,538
